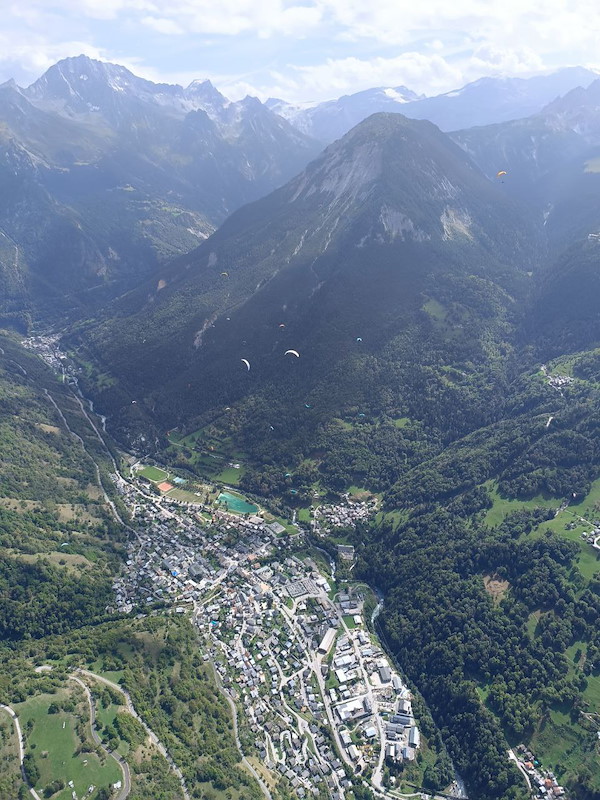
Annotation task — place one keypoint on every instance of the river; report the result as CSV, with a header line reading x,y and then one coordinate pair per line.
x,y
101,417
329,558
380,599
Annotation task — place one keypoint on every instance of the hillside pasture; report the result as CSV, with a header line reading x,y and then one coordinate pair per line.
x,y
61,745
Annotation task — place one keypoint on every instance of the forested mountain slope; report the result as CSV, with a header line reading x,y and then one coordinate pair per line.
x,y
59,543
390,256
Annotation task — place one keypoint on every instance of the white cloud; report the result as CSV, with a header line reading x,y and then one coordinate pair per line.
x,y
430,46
418,71
29,59
493,60
100,9
162,25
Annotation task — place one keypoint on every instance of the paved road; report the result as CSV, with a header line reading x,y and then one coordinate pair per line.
x,y
247,764
520,767
153,737
126,787
15,719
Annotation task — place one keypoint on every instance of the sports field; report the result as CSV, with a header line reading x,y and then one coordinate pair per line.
x,y
154,474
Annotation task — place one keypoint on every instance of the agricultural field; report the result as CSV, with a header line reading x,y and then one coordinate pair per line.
x,y
304,515
565,747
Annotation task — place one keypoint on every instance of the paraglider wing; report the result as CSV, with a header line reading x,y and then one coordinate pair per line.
x,y
292,353
358,339
501,173
282,325
225,274
246,362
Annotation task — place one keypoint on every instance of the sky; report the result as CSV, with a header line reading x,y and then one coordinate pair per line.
x,y
303,50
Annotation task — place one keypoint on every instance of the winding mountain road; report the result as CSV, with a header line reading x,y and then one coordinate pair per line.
x,y
152,736
17,725
126,787
264,788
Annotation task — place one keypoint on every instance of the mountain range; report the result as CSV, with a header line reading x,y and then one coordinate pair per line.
x,y
111,176
483,102
119,174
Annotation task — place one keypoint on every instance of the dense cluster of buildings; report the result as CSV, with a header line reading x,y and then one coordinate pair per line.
x,y
321,702
341,515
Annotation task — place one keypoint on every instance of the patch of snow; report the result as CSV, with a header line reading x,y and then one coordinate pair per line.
x,y
396,96
330,234
298,246
198,233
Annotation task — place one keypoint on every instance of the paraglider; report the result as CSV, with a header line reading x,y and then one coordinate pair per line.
x,y
501,173
246,362
307,405
225,274
292,353
282,325
358,339
362,415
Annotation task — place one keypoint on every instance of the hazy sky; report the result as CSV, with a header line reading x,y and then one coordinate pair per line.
x,y
303,49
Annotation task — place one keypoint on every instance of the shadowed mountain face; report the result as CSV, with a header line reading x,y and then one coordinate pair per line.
x,y
124,174
483,102
552,162
391,237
